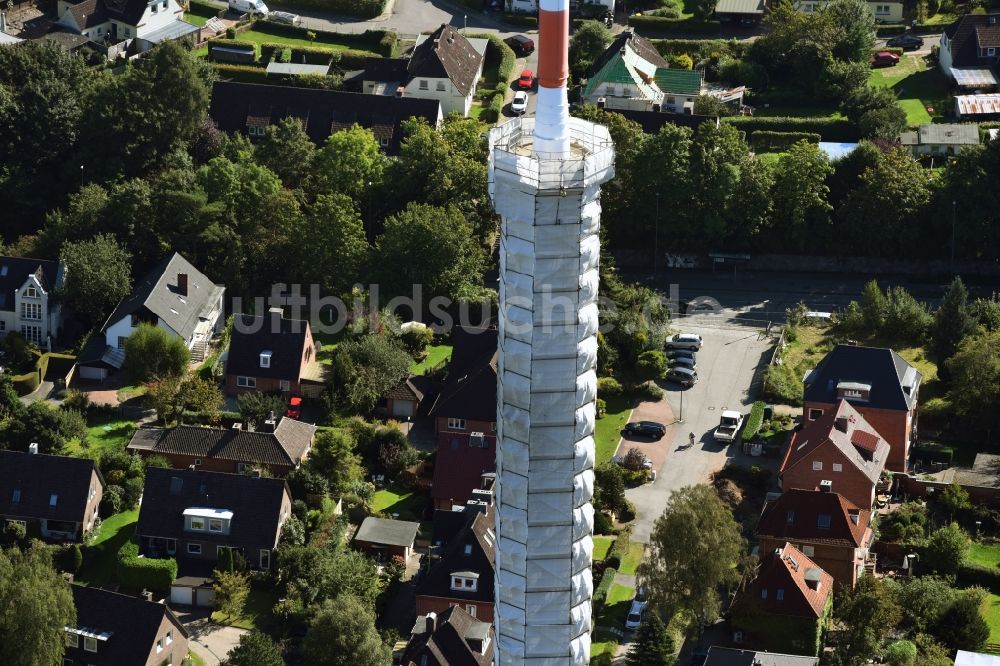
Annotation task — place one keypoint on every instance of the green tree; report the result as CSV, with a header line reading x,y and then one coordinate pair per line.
x,y
333,456
953,321
869,612
609,488
256,407
254,649
288,151
335,252
874,307
35,604
366,368
452,261
232,588
349,163
841,77
963,627
856,26
945,550
954,498
694,549
342,633
293,532
54,430
907,320
651,365
876,112
985,312
800,193
151,352
923,600
653,645
901,653
201,396
975,373
931,652
98,275
589,41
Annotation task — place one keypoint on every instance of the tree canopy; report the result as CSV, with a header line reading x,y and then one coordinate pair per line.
x,y
343,634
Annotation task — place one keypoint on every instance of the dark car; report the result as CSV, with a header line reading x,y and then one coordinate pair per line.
x,y
520,45
646,429
906,42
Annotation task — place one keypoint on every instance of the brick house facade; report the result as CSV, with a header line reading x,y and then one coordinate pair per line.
x,y
465,573
271,354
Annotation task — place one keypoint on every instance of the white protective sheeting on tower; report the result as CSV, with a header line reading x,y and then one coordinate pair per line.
x,y
547,388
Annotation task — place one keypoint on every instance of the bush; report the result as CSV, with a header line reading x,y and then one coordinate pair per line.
x,y
521,19
139,573
754,421
609,387
602,589
230,34
693,47
15,531
889,30
767,141
284,55
241,73
416,338
830,129
613,561
603,523
602,408
648,392
662,24
783,385
26,383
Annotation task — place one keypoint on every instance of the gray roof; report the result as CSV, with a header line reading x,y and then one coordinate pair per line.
x,y
739,7
720,656
158,293
985,472
36,478
296,69
174,30
387,532
952,134
894,382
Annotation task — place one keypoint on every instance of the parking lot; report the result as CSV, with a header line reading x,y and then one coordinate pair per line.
x,y
730,365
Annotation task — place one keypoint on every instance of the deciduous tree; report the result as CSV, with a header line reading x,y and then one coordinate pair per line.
x,y
945,550
343,633
254,649
963,627
869,611
589,41
98,275
288,151
232,588
333,456
151,352
800,193
975,374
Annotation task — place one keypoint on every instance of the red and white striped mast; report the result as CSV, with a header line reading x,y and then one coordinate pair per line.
x,y
552,115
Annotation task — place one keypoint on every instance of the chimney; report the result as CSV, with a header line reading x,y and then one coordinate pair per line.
x,y
147,595
825,486
841,423
400,91
430,623
182,283
238,425
33,448
270,424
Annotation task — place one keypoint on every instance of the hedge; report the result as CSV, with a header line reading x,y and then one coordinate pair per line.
x,y
199,8
26,383
756,418
313,56
930,454
669,47
970,574
830,129
383,42
889,49
766,141
241,73
146,573
507,57
667,25
362,8
889,30
521,19
602,589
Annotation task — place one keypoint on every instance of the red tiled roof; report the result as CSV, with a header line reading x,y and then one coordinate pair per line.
x,y
459,466
809,443
783,574
865,440
795,516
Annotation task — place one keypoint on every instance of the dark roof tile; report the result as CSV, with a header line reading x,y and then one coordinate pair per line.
x,y
883,369
795,516
35,478
472,549
446,54
14,271
253,334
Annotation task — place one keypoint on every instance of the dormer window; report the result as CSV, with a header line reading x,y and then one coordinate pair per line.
x,y
89,644
265,359
464,581
31,292
207,520
468,549
823,521
53,499
853,390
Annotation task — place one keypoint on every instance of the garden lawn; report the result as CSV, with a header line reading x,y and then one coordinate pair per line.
x,y
632,558
776,110
322,42
609,427
991,611
616,607
983,554
101,557
918,84
256,613
602,544
396,499
195,19
436,355
109,433
193,659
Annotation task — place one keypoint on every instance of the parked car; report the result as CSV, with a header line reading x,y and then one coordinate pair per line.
x,y
684,341
884,59
526,81
702,304
635,614
520,103
681,353
520,45
683,362
294,408
683,376
254,7
907,42
646,429
284,17
729,425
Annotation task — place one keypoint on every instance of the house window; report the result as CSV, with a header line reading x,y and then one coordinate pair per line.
x,y
780,594
456,424
991,51
265,359
265,559
790,518
159,646
156,8
246,382
16,498
823,521
423,84
808,551
837,467
171,546
121,341
31,311
72,640
471,609
284,385
468,549
53,499
763,593
817,465
32,334
194,549
31,292
815,413
671,100
215,525
198,523
383,141
89,644
170,637
440,86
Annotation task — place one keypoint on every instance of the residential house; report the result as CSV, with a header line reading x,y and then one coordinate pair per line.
x,y
445,66
465,418
113,629
984,107
279,446
385,538
250,109
788,605
886,11
450,638
878,383
832,531
148,22
6,37
174,296
464,574
404,400
723,656
970,51
839,446
26,303
940,139
59,494
743,12
966,658
193,515
272,353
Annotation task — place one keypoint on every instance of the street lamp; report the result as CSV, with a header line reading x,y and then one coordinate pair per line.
x,y
656,236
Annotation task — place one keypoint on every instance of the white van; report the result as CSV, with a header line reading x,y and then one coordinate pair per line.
x,y
255,7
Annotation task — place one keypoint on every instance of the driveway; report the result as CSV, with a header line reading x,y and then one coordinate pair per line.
x,y
729,371
655,450
211,641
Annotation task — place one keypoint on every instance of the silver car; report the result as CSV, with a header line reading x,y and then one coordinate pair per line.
x,y
284,17
684,341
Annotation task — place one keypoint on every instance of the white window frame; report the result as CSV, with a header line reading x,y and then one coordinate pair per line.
x,y
471,609
31,311
817,465
837,467
456,424
221,523
991,51
196,547
121,341
284,385
31,292
808,551
196,523
170,637
89,644
159,646
440,86
265,359
72,640
246,382
32,334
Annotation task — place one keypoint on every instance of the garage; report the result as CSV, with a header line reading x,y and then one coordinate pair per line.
x,y
192,591
91,372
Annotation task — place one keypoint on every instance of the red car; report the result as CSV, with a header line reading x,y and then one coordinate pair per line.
x,y
885,59
294,408
526,81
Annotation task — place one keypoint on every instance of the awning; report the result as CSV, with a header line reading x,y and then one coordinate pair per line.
x,y
970,77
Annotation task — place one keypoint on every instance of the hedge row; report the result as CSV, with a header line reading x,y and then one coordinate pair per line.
x,y
889,30
383,42
669,47
521,19
241,73
313,56
230,44
829,129
766,141
756,418
663,24
362,8
146,573
602,589
970,574
29,381
888,49
930,454
199,8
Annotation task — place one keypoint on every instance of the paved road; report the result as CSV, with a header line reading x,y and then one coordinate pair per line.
x,y
728,374
211,641
930,41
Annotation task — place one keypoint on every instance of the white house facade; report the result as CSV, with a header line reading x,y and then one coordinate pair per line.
x,y
150,21
27,305
884,12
